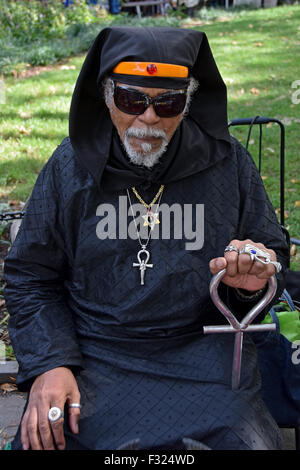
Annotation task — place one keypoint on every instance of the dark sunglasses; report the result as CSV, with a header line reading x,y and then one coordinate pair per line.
x,y
131,101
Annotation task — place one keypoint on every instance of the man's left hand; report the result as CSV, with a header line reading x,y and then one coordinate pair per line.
x,y
241,271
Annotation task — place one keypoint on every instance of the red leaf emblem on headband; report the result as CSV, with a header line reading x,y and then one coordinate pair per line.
x,y
151,69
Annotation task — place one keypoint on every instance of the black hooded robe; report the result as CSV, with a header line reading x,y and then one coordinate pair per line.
x,y
144,368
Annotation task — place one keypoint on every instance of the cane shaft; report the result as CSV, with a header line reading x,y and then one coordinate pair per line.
x,y
237,360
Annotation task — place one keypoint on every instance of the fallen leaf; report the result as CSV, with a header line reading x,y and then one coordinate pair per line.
x,y
259,44
295,181
67,67
287,121
264,178
251,142
13,202
234,43
279,98
297,204
24,115
29,150
23,130
270,124
270,149
6,388
250,25
254,91
286,213
293,250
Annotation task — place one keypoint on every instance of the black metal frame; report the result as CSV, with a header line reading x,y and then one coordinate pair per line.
x,y
261,120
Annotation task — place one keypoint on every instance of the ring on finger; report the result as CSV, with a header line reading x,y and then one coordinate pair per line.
x,y
74,405
231,248
55,413
277,265
256,254
262,256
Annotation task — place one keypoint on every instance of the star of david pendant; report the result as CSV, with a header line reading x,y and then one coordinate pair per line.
x,y
151,219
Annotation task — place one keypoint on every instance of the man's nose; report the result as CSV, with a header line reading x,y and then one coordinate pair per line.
x,y
149,116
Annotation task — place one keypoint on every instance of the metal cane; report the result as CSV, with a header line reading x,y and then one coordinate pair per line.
x,y
239,327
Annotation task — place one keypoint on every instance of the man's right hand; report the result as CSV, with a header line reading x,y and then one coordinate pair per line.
x,y
53,388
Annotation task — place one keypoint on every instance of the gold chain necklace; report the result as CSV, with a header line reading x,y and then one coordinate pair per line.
x,y
151,218
154,199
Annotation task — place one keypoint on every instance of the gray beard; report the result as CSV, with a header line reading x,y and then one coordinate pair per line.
x,y
146,157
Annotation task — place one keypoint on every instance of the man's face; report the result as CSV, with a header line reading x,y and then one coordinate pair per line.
x,y
144,136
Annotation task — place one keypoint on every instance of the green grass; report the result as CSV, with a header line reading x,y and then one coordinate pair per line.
x,y
257,52
258,57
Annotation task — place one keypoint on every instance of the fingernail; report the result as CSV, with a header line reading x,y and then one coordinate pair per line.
x,y
25,447
61,447
220,263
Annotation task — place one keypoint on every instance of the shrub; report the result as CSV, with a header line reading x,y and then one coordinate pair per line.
x,y
42,32
31,20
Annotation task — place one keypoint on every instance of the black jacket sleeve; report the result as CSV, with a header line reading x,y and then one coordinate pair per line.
x,y
40,326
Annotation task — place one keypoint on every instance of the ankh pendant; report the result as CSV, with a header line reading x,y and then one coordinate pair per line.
x,y
143,264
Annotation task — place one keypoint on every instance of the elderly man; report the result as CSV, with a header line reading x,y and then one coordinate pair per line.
x,y
107,307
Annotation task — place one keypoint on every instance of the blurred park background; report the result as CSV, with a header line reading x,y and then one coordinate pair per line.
x,y
256,45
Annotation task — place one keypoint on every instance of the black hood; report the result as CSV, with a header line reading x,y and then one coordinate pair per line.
x,y
203,135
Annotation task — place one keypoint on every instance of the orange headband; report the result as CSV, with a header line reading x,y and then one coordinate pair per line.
x,y
152,69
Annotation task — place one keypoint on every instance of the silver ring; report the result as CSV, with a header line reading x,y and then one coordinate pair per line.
x,y
277,265
256,254
55,413
231,248
74,405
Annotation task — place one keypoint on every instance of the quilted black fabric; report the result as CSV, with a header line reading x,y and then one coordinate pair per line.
x,y
144,368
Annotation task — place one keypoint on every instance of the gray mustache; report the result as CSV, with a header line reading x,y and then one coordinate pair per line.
x,y
148,132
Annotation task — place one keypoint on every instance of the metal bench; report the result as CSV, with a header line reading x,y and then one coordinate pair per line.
x,y
144,3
